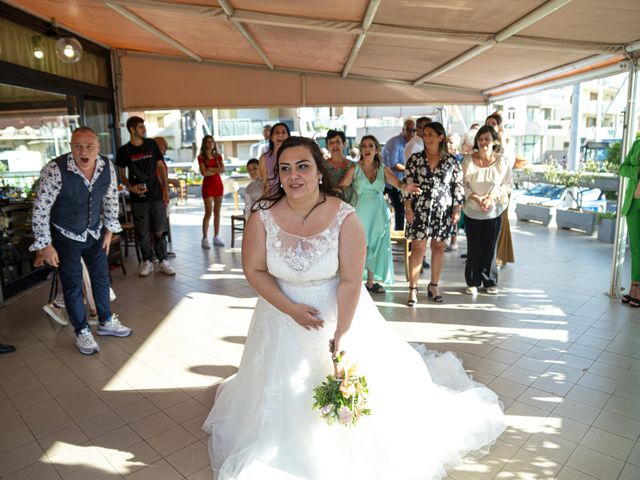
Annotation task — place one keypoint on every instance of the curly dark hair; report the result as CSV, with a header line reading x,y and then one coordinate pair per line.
x,y
277,193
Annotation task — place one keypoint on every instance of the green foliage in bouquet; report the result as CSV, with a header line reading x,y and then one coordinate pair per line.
x,y
342,398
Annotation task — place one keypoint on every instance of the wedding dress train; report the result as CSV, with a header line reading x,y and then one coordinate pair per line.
x,y
426,413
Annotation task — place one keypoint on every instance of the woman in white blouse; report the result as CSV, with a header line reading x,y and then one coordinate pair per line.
x,y
487,185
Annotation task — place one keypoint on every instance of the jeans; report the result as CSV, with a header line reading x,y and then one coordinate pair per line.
x,y
398,206
150,218
482,237
70,271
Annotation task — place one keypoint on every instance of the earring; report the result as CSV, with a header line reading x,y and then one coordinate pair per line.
x,y
320,182
281,186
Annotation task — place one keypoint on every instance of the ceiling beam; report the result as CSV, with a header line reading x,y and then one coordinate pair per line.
x,y
529,19
375,30
558,83
230,12
369,15
549,74
154,30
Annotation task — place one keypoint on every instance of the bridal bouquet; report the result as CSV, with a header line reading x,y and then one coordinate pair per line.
x,y
342,397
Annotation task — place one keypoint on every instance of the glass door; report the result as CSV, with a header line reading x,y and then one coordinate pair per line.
x,y
35,127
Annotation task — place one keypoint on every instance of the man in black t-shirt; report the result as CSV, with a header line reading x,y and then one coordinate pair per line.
x,y
138,163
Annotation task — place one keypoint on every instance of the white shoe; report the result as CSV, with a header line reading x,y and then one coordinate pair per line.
x,y
57,314
113,327
472,290
492,290
205,243
146,269
85,342
166,268
217,241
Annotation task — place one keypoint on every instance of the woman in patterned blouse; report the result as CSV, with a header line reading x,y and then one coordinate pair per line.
x,y
435,212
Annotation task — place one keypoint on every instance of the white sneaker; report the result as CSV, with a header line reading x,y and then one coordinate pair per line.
x,y
205,243
55,313
472,290
217,241
146,269
85,342
492,290
113,327
166,268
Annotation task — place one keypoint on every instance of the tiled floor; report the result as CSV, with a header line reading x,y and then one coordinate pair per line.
x,y
563,356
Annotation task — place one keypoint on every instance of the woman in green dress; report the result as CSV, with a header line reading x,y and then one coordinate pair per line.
x,y
367,178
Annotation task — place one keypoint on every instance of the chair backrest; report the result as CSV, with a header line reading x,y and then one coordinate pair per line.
x,y
125,207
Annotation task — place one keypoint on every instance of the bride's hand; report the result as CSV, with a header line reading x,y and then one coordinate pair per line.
x,y
306,316
337,345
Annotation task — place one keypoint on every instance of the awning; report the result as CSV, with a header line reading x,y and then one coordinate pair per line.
x,y
205,53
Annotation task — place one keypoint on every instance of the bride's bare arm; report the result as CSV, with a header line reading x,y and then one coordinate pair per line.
x,y
351,253
254,265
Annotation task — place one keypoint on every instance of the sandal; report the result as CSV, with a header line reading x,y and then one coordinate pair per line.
x,y
633,302
436,298
413,299
627,298
375,288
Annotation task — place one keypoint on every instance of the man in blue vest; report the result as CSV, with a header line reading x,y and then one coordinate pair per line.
x,y
74,216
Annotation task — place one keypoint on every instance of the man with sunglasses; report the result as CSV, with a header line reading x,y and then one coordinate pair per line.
x,y
393,156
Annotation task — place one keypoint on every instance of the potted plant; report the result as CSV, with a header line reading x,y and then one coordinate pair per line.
x,y
606,226
576,185
533,212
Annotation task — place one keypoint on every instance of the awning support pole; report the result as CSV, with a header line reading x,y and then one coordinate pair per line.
x,y
628,137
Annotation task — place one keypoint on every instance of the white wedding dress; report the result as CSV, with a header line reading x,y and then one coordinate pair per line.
x,y
426,413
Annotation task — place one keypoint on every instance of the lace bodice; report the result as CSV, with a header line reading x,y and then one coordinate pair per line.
x,y
303,260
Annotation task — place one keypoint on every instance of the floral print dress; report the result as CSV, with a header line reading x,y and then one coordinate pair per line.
x,y
442,190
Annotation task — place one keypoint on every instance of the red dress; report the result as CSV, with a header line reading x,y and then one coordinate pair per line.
x,y
212,185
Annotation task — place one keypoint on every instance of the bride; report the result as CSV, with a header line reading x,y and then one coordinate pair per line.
x,y
304,253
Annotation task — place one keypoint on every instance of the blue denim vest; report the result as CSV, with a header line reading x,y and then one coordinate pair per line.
x,y
78,208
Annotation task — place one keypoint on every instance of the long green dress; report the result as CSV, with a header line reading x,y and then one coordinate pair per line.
x,y
373,212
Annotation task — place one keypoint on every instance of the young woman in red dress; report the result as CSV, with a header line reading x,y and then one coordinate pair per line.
x,y
211,166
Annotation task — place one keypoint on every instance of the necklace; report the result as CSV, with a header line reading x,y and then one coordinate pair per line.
x,y
304,218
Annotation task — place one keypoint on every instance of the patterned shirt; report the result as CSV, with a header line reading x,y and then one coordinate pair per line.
x,y
48,191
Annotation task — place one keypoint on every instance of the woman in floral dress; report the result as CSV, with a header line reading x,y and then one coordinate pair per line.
x,y
435,212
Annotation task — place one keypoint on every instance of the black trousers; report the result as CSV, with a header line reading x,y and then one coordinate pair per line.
x,y
482,237
398,206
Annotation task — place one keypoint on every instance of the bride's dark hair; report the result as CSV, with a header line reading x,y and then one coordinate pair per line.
x,y
277,193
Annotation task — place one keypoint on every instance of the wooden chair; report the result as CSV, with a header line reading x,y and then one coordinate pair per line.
x,y
239,228
128,234
115,251
400,247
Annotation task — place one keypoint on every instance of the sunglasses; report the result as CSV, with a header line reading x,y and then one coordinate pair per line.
x,y
410,130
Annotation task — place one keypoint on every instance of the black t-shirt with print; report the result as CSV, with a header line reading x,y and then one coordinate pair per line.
x,y
141,162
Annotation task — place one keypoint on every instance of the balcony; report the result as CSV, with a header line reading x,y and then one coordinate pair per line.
x,y
245,128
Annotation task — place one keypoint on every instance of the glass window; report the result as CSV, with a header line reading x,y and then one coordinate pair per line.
x,y
35,127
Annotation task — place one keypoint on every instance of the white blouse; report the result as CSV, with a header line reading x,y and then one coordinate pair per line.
x,y
494,180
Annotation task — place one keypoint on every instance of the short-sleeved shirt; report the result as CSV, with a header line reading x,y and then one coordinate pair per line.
x,y
141,162
393,153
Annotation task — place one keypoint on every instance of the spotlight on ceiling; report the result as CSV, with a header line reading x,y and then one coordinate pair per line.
x,y
38,50
68,49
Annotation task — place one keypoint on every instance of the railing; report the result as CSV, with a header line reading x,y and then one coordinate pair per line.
x,y
237,127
